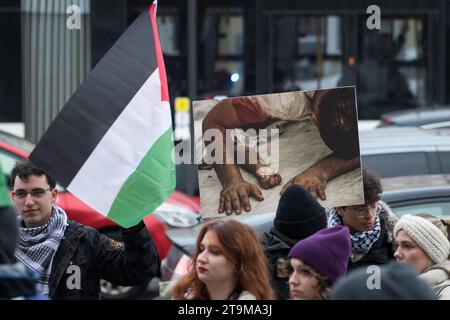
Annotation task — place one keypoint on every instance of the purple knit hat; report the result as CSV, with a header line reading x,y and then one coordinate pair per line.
x,y
327,251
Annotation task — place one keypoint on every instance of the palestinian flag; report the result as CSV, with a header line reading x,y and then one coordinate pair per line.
x,y
112,145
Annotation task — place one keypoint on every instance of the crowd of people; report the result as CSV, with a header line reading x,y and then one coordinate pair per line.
x,y
309,253
318,254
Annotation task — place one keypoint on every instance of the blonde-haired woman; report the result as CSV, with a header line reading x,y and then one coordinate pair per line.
x,y
424,245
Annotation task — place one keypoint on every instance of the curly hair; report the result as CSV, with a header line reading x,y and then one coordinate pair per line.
x,y
372,186
240,245
323,284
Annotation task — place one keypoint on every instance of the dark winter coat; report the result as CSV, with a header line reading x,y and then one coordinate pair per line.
x,y
85,256
277,248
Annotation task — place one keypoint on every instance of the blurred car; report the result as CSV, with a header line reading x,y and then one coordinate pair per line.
x,y
178,210
411,194
405,151
435,118
419,194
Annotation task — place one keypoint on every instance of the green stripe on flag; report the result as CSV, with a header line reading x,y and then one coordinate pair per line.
x,y
4,198
149,186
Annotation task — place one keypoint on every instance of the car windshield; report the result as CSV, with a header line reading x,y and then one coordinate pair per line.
x,y
409,182
440,210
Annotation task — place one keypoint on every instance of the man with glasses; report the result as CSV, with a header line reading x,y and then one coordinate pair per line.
x,y
371,225
71,258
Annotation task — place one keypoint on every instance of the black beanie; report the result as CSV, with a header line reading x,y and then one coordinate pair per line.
x,y
298,215
397,281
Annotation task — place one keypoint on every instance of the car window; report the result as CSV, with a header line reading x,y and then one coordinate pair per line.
x,y
444,158
438,209
397,164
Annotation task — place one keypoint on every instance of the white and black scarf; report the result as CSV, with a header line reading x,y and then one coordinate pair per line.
x,y
37,246
361,241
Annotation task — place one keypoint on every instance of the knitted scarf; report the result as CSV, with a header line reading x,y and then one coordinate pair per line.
x,y
361,241
37,246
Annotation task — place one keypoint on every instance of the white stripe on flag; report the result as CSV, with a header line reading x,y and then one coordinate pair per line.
x,y
123,147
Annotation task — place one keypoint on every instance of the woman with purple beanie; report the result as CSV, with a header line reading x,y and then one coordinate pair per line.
x,y
317,262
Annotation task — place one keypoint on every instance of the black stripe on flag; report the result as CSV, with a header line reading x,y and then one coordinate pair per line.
x,y
97,103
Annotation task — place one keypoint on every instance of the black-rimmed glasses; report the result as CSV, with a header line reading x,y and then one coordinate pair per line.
x,y
35,193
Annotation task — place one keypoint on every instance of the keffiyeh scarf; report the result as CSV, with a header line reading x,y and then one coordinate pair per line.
x,y
37,246
361,241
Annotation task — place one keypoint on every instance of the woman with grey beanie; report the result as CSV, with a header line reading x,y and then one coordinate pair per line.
x,y
425,247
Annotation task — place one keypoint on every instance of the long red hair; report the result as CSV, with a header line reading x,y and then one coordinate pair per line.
x,y
241,246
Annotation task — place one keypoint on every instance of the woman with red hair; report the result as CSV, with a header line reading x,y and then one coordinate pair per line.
x,y
228,263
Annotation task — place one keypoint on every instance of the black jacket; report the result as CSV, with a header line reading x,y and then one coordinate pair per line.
x,y
381,252
277,247
85,256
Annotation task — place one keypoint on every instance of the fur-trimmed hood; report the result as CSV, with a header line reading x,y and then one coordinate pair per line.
x,y
389,218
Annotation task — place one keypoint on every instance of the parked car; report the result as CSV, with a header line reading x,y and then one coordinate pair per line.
x,y
435,118
419,194
410,194
178,210
405,151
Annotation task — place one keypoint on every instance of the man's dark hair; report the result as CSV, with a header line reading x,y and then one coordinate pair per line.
x,y
24,168
337,120
372,186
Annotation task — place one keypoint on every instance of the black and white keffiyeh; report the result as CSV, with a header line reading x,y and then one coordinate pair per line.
x,y
361,241
37,246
